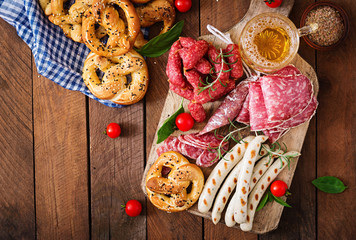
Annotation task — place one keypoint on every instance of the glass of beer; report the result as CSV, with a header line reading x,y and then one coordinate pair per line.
x,y
270,41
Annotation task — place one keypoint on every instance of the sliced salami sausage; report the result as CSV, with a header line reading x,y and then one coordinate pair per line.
x,y
193,54
258,112
221,69
189,150
234,60
285,96
197,111
274,135
174,66
288,70
204,141
244,114
210,156
228,109
170,144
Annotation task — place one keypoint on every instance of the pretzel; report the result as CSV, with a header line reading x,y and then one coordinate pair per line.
x,y
120,40
157,11
170,194
114,85
46,6
70,21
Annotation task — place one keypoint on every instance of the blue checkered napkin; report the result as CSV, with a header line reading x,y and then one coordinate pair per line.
x,y
57,57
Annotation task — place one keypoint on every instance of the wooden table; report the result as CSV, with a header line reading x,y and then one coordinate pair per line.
x,y
62,178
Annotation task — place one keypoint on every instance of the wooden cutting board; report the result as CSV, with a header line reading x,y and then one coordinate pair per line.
x,y
268,218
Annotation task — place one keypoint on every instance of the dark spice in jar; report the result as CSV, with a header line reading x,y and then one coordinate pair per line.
x,y
330,25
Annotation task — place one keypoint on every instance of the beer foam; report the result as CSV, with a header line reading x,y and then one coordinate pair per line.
x,y
256,27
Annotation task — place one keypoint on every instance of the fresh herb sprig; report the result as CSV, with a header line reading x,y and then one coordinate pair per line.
x,y
230,136
275,150
210,85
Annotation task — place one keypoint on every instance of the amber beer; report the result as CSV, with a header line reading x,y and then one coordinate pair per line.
x,y
269,42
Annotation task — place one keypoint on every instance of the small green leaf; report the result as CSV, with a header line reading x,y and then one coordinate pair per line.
x,y
280,201
169,125
329,184
162,43
263,202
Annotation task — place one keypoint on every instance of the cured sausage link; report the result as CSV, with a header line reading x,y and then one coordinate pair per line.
x,y
234,60
218,64
228,109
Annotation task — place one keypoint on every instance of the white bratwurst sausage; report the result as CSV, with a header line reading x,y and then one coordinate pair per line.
x,y
219,173
225,191
261,186
242,187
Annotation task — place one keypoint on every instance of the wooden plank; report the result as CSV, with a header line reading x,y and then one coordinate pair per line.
x,y
17,211
225,15
336,128
161,225
299,222
116,167
60,161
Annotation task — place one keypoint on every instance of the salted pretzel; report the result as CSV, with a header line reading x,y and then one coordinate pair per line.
x,y
69,20
157,11
121,39
115,85
170,194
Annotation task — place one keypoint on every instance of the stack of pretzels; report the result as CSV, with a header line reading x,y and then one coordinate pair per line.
x,y
125,75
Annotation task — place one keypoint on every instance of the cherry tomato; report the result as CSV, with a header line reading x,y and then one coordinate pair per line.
x,y
183,5
184,122
133,208
273,3
113,130
279,188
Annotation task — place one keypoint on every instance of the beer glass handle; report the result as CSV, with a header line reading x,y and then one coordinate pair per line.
x,y
307,29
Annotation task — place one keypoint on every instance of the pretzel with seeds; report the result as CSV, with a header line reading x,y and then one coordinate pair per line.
x,y
170,194
114,85
121,39
157,11
69,20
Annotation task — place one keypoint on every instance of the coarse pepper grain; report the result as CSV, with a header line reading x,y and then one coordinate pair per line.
x,y
330,25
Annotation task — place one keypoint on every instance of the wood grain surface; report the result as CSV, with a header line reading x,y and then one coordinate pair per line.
x,y
17,206
61,178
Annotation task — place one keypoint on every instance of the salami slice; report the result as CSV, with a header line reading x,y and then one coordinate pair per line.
x,y
209,157
197,111
193,54
189,150
301,118
258,112
228,109
244,115
170,144
221,69
187,93
187,42
234,60
273,136
285,96
174,66
205,140
288,70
